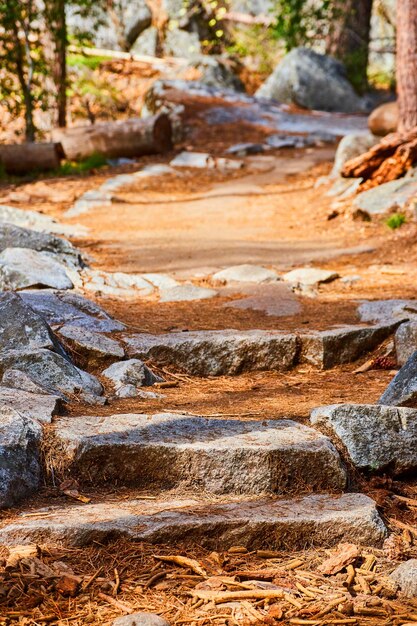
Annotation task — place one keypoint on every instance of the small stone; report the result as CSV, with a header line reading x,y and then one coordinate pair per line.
x,y
21,268
130,373
310,276
186,293
350,146
406,342
402,390
246,274
201,160
405,575
93,349
244,149
140,619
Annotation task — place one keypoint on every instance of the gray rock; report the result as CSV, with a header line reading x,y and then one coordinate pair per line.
x,y
377,438
88,201
274,298
140,619
214,72
132,372
246,274
245,149
15,237
20,469
93,349
67,307
32,406
405,575
402,390
217,353
391,196
21,268
21,327
332,347
137,17
38,221
311,80
383,310
186,293
53,373
15,379
167,451
181,43
405,342
199,160
351,146
310,276
319,520
147,43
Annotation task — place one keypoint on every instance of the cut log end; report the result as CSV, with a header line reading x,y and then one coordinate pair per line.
x,y
19,159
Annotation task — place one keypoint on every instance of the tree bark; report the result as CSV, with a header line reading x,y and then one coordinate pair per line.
x,y
348,39
407,63
28,157
131,138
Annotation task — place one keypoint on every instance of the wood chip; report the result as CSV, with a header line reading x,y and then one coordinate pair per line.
x,y
183,561
345,555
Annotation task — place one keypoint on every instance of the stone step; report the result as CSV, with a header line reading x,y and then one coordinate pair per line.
x,y
315,520
231,352
167,451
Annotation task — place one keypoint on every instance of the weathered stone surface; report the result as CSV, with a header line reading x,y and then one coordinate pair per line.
x,y
376,437
166,451
311,80
245,274
217,353
118,284
406,342
394,195
20,470
132,373
140,619
405,575
161,281
88,201
15,379
66,307
29,405
350,146
274,298
186,293
310,276
328,348
91,348
382,310
402,390
318,520
21,268
53,372
15,237
245,149
38,221
198,160
20,326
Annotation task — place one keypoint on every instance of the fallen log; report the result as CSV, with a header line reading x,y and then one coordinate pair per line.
x,y
29,157
131,138
388,160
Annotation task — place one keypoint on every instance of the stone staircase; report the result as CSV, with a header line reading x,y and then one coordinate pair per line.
x,y
212,481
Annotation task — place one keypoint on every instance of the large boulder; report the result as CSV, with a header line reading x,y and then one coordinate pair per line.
x,y
313,81
384,119
402,390
377,438
20,469
181,43
352,146
215,72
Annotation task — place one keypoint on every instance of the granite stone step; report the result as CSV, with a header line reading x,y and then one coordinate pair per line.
x,y
167,451
315,520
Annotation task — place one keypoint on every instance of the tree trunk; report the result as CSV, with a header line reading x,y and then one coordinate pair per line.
x,y
61,63
29,157
407,63
131,138
348,39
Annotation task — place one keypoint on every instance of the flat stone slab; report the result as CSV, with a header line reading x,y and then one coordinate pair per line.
x,y
377,438
66,307
310,276
273,298
39,222
35,406
186,293
317,520
20,468
332,347
166,451
21,268
394,194
93,348
383,310
245,274
217,353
